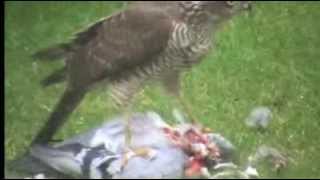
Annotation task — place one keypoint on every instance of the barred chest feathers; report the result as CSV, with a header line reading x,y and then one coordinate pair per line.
x,y
187,45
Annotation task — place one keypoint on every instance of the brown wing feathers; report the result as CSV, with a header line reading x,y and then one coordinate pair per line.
x,y
110,49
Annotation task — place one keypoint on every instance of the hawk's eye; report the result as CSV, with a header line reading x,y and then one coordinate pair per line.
x,y
230,3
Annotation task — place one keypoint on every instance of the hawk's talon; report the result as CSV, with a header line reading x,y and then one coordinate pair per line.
x,y
144,152
127,156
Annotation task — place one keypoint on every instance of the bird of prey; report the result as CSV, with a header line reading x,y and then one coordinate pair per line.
x,y
151,41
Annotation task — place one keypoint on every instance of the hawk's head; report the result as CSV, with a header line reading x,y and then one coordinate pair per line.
x,y
223,10
219,11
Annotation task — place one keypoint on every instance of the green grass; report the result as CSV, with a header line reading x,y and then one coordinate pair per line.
x,y
269,57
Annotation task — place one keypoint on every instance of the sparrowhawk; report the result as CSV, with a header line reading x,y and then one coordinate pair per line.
x,y
153,41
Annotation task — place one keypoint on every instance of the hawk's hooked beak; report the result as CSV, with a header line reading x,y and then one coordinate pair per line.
x,y
242,5
247,5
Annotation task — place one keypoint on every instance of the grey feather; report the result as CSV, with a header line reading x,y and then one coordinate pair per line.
x,y
99,152
259,117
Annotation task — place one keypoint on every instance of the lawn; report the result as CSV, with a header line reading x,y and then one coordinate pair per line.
x,y
269,57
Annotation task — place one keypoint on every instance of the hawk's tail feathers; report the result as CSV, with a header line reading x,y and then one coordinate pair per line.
x,y
56,77
57,52
68,102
